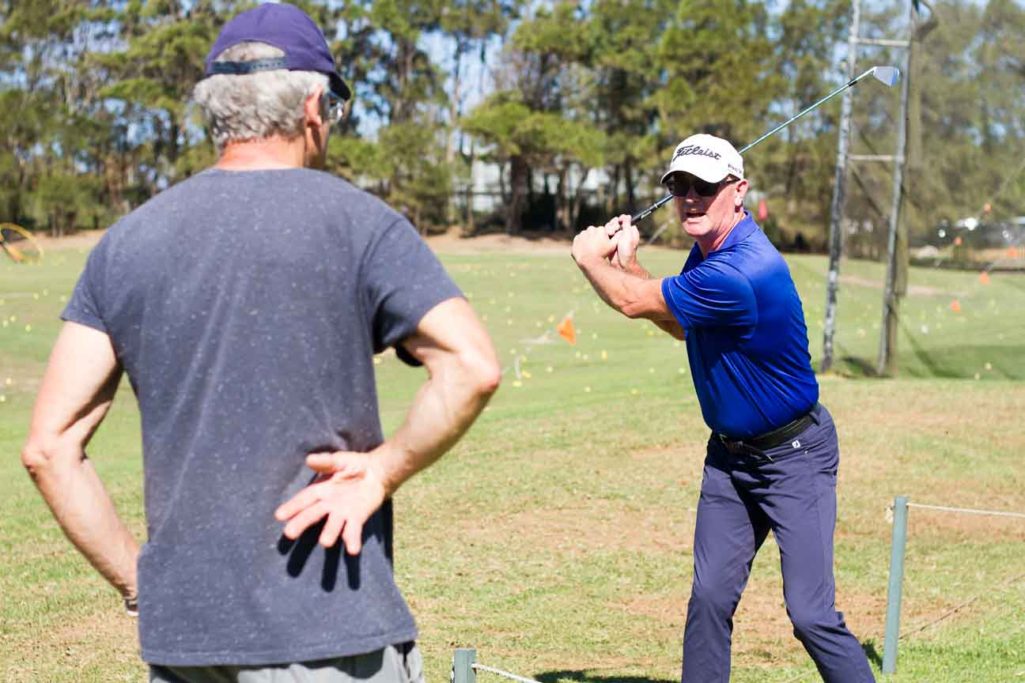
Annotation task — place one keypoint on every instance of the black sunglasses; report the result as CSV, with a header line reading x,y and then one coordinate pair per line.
x,y
679,185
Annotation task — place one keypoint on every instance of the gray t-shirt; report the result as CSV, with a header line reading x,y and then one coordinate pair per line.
x,y
245,308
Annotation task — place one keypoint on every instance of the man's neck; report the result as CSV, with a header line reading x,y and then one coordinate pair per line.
x,y
263,154
712,242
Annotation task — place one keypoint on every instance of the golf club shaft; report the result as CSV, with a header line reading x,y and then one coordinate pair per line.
x,y
849,84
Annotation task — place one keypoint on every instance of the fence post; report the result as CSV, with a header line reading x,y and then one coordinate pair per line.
x,y
900,535
462,665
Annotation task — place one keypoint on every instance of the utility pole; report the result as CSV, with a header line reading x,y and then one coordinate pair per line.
x,y
896,283
897,242
836,209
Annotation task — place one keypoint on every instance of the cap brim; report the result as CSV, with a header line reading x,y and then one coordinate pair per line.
x,y
338,86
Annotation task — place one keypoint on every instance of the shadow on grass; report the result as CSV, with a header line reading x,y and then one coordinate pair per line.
x,y
960,362
963,362
924,357
860,367
849,365
586,677
869,646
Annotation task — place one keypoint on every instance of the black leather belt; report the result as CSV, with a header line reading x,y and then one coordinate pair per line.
x,y
757,444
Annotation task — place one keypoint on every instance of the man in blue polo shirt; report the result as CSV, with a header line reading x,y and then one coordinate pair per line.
x,y
772,456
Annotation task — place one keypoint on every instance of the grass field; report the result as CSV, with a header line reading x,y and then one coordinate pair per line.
x,y
556,537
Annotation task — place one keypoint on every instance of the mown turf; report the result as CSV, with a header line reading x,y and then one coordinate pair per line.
x,y
556,537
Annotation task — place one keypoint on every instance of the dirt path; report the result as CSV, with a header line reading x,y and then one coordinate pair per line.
x,y
451,242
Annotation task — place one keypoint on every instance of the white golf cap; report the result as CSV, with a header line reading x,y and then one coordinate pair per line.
x,y
707,157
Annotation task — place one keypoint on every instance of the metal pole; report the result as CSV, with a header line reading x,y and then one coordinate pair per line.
x,y
836,209
887,362
462,665
900,536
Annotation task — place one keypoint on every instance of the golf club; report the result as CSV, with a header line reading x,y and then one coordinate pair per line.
x,y
887,75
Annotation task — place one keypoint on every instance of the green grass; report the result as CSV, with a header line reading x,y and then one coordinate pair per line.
x,y
556,537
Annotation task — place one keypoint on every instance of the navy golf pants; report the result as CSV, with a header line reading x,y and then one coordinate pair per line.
x,y
792,492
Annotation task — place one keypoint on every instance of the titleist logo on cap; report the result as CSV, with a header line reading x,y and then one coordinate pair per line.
x,y
687,150
707,157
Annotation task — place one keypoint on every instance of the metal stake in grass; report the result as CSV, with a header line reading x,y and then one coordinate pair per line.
x,y
887,75
895,588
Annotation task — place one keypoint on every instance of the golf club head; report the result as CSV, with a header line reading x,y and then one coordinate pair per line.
x,y
887,75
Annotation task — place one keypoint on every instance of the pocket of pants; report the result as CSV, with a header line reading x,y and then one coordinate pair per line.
x,y
821,447
412,663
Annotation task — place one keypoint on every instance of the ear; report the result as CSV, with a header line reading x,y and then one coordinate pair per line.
x,y
313,109
740,192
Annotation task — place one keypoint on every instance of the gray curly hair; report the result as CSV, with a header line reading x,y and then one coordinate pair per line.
x,y
257,105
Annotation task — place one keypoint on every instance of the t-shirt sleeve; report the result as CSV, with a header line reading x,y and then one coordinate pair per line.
x,y
86,303
711,295
402,280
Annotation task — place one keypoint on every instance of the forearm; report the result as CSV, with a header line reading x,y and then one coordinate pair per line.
x,y
633,267
78,388
630,291
443,409
612,285
84,510
667,325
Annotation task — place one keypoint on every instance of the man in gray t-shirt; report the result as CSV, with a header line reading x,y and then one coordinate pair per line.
x,y
245,305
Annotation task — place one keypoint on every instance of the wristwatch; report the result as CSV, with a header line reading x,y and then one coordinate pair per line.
x,y
132,605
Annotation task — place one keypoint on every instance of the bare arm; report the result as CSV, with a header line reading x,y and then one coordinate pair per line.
x,y
627,240
77,391
463,373
607,256
672,328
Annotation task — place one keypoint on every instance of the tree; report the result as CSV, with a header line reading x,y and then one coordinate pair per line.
x,y
49,129
797,164
401,89
164,47
531,123
623,55
524,139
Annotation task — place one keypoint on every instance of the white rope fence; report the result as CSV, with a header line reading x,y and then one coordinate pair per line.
x,y
504,674
968,511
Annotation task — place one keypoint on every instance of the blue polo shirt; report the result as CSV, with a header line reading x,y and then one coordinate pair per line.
x,y
746,338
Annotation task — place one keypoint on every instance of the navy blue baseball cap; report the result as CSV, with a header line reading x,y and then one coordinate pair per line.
x,y
287,28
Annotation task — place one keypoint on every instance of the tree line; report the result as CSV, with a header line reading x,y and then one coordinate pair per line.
x,y
559,97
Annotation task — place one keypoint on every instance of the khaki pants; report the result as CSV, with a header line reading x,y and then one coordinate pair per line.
x,y
393,664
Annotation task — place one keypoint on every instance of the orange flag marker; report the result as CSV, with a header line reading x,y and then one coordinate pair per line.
x,y
955,306
983,278
566,330
763,210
